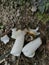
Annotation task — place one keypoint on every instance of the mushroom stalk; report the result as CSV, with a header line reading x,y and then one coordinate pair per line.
x,y
18,45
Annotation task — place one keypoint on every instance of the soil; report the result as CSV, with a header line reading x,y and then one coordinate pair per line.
x,y
21,17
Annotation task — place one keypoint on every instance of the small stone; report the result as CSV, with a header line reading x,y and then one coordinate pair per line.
x,y
33,9
5,39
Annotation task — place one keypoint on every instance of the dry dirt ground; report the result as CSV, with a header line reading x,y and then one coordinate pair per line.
x,y
21,17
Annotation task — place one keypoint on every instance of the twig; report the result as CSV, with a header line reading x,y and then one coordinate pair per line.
x,y
2,57
18,61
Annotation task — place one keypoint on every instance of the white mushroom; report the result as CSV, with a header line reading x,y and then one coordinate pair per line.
x,y
14,29
5,39
15,33
31,47
34,31
18,45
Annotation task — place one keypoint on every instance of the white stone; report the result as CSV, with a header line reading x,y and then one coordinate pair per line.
x,y
33,9
5,39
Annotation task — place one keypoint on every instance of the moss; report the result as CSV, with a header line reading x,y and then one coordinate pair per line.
x,y
1,26
43,17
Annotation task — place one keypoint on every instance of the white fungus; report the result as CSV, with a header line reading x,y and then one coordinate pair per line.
x,y
31,47
5,39
18,45
14,29
15,33
34,31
